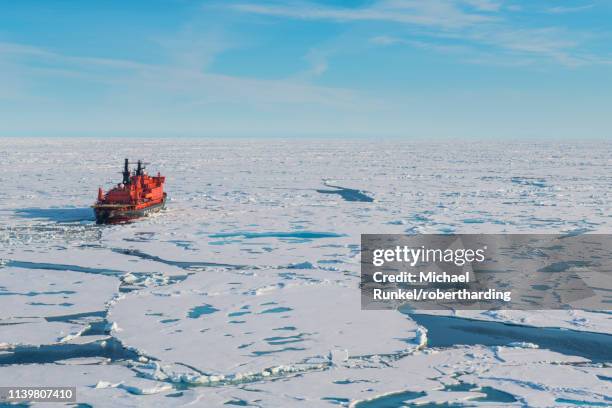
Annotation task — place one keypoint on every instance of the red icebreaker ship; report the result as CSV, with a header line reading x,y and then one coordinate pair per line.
x,y
138,195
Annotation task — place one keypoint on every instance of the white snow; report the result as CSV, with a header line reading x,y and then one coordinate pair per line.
x,y
276,327
245,233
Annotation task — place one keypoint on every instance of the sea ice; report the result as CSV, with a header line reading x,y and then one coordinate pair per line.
x,y
246,287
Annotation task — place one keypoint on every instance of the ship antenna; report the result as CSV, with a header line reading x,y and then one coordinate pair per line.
x,y
126,172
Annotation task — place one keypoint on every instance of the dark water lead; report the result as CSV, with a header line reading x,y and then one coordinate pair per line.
x,y
348,194
581,403
76,316
529,181
180,264
447,331
63,267
395,400
110,348
68,214
296,234
401,399
237,402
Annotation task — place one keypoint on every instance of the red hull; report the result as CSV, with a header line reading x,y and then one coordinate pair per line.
x,y
113,215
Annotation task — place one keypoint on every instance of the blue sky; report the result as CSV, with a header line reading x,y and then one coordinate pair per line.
x,y
484,69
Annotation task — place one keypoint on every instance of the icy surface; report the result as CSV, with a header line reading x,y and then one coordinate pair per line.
x,y
263,325
245,290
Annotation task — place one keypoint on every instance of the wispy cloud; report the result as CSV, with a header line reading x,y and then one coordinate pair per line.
x,y
565,10
386,40
484,5
439,13
195,47
187,83
505,46
550,42
476,23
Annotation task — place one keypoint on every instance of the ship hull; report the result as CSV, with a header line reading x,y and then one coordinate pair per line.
x,y
113,214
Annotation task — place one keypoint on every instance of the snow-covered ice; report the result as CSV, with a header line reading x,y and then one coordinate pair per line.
x,y
245,290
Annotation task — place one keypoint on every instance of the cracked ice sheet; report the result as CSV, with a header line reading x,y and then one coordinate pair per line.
x,y
91,259
417,188
28,296
549,375
408,178
242,324
43,293
358,380
35,332
206,246
540,383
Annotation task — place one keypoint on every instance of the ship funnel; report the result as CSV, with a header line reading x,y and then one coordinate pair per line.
x,y
126,172
140,168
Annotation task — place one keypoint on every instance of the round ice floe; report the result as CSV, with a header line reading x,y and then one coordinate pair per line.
x,y
248,331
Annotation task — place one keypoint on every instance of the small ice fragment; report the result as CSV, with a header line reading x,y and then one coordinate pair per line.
x,y
146,391
420,338
129,278
216,378
523,344
105,384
